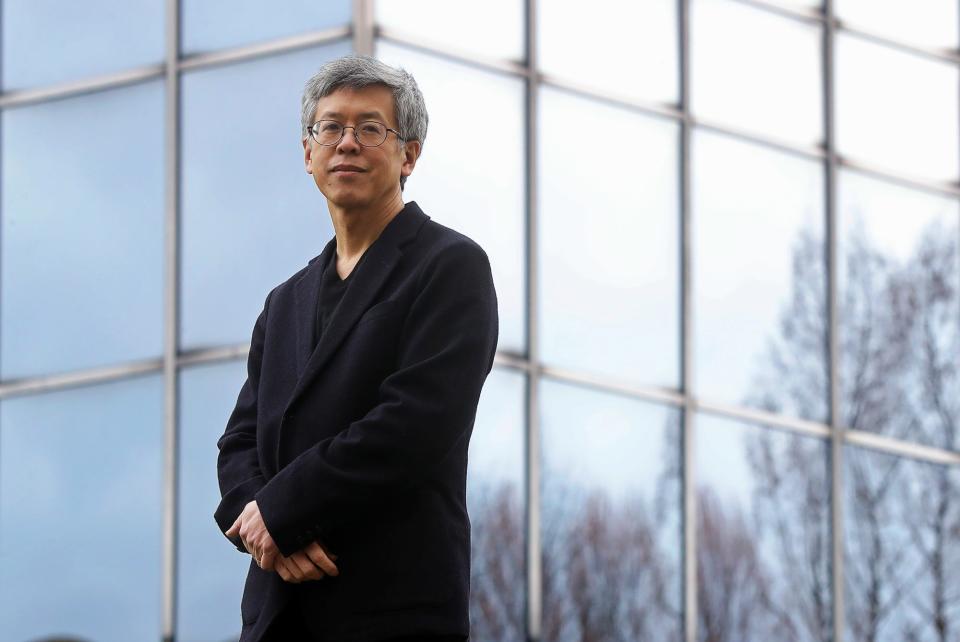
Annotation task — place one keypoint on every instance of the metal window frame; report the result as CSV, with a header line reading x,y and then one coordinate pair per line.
x,y
364,33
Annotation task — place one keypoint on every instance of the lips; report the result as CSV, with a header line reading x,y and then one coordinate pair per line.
x,y
347,168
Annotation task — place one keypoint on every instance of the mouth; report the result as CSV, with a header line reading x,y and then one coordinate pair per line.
x,y
347,169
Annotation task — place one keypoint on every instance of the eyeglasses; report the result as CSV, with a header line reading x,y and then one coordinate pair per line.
x,y
369,133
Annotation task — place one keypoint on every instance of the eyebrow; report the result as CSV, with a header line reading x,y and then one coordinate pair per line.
x,y
365,115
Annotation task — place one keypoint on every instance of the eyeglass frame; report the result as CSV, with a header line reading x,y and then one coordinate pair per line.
x,y
356,136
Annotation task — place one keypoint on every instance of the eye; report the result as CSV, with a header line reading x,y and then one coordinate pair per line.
x,y
328,126
371,128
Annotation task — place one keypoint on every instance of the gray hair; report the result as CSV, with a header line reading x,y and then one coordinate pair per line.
x,y
357,72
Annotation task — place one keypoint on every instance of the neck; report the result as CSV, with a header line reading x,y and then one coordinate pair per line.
x,y
357,228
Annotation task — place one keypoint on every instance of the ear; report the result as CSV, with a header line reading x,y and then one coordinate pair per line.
x,y
411,152
307,155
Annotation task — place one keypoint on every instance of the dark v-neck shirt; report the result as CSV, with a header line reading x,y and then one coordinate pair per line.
x,y
332,288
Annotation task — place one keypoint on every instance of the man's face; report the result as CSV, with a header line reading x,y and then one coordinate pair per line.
x,y
352,176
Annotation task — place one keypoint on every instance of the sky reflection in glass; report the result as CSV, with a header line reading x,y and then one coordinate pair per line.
x,y
899,286
610,516
758,277
210,570
82,232
608,242
51,41
763,531
80,486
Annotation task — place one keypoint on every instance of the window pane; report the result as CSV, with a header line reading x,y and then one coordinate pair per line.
x,y
902,536
82,231
628,48
763,534
899,311
896,110
50,41
210,571
251,215
493,29
759,277
455,181
495,498
931,23
775,94
611,517
608,242
80,486
215,24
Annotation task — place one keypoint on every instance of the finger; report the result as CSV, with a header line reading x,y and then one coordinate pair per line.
x,y
281,568
268,560
319,557
296,569
307,567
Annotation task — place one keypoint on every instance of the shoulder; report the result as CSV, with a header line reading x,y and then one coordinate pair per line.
x,y
442,249
440,242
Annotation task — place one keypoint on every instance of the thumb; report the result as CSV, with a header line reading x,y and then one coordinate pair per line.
x,y
235,529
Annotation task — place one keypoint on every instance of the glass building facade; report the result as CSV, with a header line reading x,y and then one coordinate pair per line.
x,y
725,236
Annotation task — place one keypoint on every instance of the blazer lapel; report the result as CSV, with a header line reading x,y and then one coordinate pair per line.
x,y
382,257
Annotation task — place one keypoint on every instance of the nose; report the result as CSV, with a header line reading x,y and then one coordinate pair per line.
x,y
349,141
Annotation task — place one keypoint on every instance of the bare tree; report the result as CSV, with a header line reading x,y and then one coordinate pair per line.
x,y
899,355
732,583
498,576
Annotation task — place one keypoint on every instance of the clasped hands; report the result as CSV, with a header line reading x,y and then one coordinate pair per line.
x,y
312,562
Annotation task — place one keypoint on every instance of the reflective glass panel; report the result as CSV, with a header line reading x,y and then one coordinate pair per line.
x,y
763,534
80,486
252,216
759,279
610,529
930,23
81,194
495,500
902,541
51,41
458,184
896,110
899,276
210,570
493,29
626,48
755,70
215,24
608,240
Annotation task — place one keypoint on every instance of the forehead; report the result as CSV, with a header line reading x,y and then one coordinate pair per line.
x,y
349,103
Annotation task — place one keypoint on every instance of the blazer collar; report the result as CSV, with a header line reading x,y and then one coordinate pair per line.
x,y
379,260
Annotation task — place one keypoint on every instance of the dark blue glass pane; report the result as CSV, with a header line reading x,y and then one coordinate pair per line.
x,y
215,24
82,231
210,570
80,486
51,41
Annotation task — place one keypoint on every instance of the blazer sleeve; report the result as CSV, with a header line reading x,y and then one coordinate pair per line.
x,y
238,466
425,407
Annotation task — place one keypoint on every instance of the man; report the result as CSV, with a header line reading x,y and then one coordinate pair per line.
x,y
343,465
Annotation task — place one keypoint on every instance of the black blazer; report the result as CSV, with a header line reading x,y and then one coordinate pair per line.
x,y
362,442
